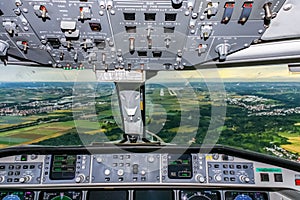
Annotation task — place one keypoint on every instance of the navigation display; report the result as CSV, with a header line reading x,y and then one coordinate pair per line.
x,y
234,195
16,195
108,195
153,194
180,166
199,195
62,195
63,167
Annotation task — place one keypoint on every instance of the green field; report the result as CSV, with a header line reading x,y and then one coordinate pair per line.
x,y
293,139
36,133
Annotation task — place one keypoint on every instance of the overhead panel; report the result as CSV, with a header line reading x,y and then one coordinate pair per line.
x,y
131,34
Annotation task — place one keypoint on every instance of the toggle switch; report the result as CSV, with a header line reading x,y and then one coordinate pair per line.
x,y
149,31
18,3
229,6
268,12
149,39
149,43
192,23
101,4
76,56
191,4
211,9
206,31
43,12
167,42
87,44
17,11
247,8
23,45
109,4
201,49
4,46
11,28
103,58
269,15
85,13
61,56
131,44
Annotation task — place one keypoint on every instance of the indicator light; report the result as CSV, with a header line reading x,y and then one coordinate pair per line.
x,y
23,157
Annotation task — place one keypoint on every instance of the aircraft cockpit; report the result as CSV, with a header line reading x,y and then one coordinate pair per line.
x,y
149,100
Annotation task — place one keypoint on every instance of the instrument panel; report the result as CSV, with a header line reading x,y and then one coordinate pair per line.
x,y
131,175
131,34
150,194
140,168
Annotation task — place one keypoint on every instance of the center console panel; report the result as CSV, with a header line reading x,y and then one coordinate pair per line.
x,y
135,174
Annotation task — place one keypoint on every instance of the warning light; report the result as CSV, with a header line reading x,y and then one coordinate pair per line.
x,y
247,5
229,5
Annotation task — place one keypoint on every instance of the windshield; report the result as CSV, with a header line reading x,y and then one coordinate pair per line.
x,y
252,108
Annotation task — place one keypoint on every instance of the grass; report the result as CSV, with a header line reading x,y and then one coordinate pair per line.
x,y
294,146
34,134
184,129
98,131
294,139
85,124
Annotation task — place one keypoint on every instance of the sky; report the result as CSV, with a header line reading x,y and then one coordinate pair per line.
x,y
13,73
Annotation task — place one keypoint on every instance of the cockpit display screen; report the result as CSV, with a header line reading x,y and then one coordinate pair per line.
x,y
239,195
108,195
18,195
200,194
63,167
180,166
62,195
153,194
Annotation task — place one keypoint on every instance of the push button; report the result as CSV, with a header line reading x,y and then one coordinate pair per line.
x,y
264,177
278,178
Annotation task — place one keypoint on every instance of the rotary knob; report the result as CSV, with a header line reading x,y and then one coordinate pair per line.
x,y
99,159
143,172
80,178
25,179
200,178
120,172
244,179
2,178
218,177
151,159
107,172
223,50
